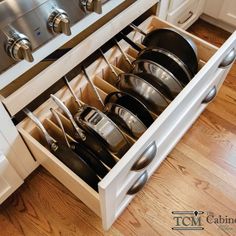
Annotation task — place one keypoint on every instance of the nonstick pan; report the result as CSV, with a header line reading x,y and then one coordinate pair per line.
x,y
100,125
91,141
79,148
175,42
159,72
117,110
163,58
72,160
140,88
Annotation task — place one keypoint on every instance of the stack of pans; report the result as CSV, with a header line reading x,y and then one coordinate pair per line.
x,y
159,73
162,69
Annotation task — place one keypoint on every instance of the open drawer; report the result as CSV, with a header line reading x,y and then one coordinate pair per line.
x,y
122,182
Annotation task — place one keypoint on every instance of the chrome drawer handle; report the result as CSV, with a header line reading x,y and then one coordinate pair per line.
x,y
229,59
190,15
139,184
211,95
146,158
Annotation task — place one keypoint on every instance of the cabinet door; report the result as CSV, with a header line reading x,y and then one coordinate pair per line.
x,y
228,12
9,179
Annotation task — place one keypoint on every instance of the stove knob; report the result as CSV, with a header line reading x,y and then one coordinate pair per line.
x,y
19,47
59,22
93,5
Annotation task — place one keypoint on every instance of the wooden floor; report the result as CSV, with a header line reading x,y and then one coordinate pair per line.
x,y
199,174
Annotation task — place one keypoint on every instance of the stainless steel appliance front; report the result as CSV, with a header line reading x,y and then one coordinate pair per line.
x,y
25,25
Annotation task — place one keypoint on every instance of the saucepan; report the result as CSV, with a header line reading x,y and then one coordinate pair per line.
x,y
90,141
101,126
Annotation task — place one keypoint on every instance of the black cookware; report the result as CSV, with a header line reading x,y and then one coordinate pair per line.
x,y
90,140
85,153
72,160
140,88
120,111
175,42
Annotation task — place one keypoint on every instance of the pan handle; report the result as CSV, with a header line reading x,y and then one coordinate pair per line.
x,y
139,184
146,158
47,136
61,125
79,131
123,52
136,28
108,63
72,92
93,86
131,43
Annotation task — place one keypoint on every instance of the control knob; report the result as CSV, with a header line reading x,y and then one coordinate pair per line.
x,y
59,22
19,47
92,5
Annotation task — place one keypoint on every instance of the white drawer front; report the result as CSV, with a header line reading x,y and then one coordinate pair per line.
x,y
176,119
186,14
110,186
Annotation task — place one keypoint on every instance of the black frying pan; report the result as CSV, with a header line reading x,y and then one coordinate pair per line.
x,y
91,140
67,156
132,104
83,151
166,60
175,42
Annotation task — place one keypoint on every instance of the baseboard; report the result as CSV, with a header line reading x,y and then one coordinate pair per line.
x,y
218,23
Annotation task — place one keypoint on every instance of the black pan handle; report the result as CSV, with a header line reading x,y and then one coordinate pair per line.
x,y
75,163
131,43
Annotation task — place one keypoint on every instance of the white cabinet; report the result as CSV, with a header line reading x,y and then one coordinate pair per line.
x,y
221,10
228,12
9,179
183,13
213,7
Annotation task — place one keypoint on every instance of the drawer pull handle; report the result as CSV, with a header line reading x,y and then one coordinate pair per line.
x,y
211,95
229,59
139,184
146,158
190,15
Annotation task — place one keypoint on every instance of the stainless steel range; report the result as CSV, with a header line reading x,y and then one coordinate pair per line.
x,y
26,25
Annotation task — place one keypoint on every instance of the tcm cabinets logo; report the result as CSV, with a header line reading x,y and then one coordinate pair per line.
x,y
188,220
193,220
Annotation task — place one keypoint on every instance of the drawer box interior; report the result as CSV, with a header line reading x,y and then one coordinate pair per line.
x,y
121,174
